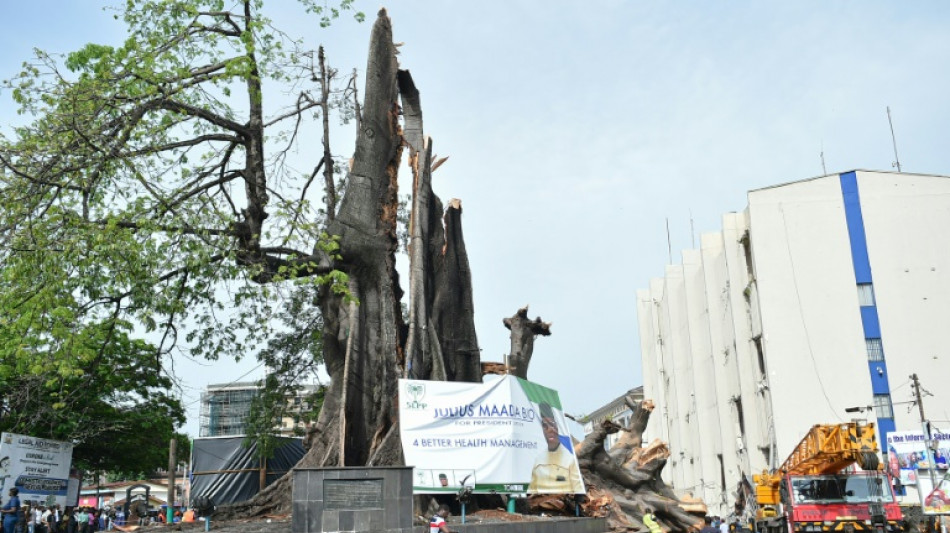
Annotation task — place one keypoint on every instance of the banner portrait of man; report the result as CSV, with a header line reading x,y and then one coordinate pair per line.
x,y
555,468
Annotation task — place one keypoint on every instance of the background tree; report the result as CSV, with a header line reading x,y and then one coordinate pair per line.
x,y
134,204
108,398
293,357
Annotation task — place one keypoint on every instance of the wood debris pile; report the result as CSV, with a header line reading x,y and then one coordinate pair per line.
x,y
624,483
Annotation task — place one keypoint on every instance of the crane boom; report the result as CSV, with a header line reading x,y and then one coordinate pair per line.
x,y
828,449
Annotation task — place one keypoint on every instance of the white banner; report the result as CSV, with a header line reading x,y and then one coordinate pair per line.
x,y
39,468
506,436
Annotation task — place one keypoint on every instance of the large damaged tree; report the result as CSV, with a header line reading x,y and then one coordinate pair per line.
x,y
157,190
367,347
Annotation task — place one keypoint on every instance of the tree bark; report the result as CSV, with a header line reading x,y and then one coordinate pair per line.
x,y
630,443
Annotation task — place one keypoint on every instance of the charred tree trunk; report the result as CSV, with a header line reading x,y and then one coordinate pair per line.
x,y
442,343
367,347
523,333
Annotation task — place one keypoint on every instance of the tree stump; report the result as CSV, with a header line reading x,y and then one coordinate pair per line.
x,y
523,333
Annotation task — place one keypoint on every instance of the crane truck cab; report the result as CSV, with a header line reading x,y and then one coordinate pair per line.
x,y
820,488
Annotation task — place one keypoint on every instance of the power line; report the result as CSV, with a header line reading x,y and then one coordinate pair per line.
x,y
801,315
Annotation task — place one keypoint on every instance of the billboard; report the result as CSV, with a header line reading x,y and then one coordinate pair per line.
x,y
39,468
907,459
907,454
508,436
934,501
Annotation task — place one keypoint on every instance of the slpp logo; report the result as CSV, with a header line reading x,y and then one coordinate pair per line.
x,y
416,391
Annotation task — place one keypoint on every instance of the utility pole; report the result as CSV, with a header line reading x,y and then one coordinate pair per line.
x,y
172,463
926,428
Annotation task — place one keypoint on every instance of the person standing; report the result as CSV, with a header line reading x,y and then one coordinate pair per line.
x,y
70,519
11,511
649,520
49,519
437,523
708,528
38,525
82,520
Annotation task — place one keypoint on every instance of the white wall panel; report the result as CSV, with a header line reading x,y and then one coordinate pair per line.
x,y
683,449
722,342
817,360
707,441
648,359
906,219
755,436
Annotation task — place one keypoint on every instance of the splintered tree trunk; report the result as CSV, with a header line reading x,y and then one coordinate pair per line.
x,y
442,343
523,333
367,347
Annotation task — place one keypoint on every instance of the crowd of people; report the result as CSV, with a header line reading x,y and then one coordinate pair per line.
x,y
53,519
716,524
28,518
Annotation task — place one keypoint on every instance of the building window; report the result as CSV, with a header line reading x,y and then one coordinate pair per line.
x,y
760,354
746,242
722,473
875,349
741,416
882,406
865,294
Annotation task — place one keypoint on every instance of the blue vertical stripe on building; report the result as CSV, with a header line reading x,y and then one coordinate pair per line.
x,y
862,274
852,212
872,326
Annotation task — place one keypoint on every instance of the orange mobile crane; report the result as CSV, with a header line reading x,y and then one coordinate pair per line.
x,y
818,489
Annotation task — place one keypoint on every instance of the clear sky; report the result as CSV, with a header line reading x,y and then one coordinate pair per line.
x,y
576,129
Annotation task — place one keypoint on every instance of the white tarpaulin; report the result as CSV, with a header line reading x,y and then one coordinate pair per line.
x,y
39,468
507,436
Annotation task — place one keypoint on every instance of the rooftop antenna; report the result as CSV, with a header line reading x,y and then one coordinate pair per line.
x,y
669,247
692,229
824,171
897,161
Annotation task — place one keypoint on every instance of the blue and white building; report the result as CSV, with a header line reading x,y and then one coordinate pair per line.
x,y
822,296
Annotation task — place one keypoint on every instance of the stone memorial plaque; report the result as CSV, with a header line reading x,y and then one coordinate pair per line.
x,y
351,494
